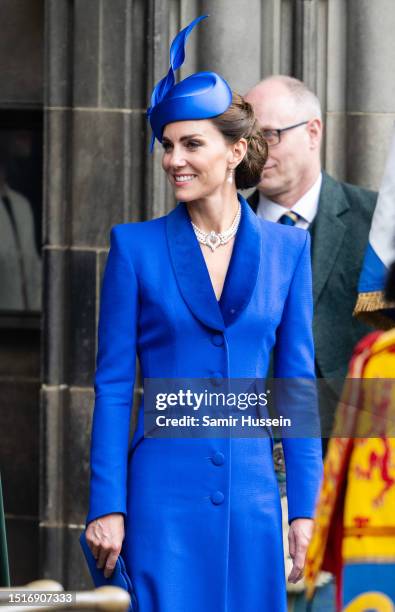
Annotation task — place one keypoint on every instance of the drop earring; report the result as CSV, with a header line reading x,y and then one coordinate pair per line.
x,y
229,178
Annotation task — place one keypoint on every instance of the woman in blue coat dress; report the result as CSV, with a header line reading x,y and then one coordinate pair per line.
x,y
206,291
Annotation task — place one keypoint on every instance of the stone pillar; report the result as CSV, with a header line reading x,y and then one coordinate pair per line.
x,y
310,59
335,147
370,88
158,194
310,37
95,177
230,41
277,37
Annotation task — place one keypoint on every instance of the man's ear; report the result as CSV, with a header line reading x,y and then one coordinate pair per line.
x,y
314,128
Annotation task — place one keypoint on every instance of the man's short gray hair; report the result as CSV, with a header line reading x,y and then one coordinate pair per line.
x,y
304,98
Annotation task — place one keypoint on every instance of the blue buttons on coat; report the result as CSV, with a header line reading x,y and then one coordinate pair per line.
x,y
217,498
218,458
217,339
216,379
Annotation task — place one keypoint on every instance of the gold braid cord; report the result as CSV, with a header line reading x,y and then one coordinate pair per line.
x,y
369,309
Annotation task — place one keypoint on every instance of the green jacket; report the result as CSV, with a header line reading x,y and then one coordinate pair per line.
x,y
339,238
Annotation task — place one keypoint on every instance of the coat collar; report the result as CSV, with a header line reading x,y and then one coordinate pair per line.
x,y
192,275
328,231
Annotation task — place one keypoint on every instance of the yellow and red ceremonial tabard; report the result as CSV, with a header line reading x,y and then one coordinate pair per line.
x,y
354,535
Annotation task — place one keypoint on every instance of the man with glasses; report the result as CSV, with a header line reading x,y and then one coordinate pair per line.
x,y
295,191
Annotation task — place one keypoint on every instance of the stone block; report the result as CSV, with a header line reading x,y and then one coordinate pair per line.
x,y
76,575
77,440
56,315
59,53
336,81
82,317
52,430
57,206
276,37
23,550
136,159
368,143
123,67
370,56
19,449
104,156
62,558
335,145
225,34
21,53
86,58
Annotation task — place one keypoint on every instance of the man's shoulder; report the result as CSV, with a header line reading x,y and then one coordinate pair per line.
x,y
357,197
17,198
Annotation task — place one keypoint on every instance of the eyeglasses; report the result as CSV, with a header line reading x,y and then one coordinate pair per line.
x,y
273,137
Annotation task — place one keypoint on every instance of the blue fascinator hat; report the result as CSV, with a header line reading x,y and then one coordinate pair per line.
x,y
200,96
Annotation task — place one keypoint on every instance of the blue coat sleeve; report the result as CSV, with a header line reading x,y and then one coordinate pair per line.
x,y
294,359
114,382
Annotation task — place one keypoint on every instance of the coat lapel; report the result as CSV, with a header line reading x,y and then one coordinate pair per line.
x,y
328,232
192,275
190,269
243,268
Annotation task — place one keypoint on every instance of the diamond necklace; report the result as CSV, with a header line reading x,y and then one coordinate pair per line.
x,y
214,240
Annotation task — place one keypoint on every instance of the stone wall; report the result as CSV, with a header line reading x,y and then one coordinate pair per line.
x,y
101,60
21,93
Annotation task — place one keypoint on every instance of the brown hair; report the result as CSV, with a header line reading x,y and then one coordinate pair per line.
x,y
239,121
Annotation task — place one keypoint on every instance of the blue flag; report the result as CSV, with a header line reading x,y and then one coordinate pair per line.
x,y
380,253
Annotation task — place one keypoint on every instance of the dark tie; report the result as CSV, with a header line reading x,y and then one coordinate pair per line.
x,y
288,218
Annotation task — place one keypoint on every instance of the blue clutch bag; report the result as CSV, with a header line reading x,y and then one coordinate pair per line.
x,y
118,578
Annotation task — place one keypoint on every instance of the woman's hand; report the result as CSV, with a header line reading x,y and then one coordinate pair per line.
x,y
104,537
299,535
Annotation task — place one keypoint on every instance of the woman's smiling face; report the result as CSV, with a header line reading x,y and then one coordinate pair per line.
x,y
195,158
